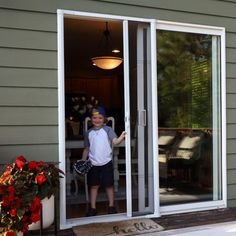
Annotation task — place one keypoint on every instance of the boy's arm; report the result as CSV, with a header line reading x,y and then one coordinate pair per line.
x,y
85,153
119,140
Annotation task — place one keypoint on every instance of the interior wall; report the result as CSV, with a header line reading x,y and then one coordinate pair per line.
x,y
108,90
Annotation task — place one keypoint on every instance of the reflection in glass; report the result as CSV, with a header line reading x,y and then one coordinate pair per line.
x,y
188,110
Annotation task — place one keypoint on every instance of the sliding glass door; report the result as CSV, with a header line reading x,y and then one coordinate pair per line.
x,y
168,95
189,116
141,119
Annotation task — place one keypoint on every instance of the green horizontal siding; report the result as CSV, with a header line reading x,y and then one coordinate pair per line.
x,y
28,97
231,98
231,146
39,152
231,114
231,85
231,203
18,135
230,176
28,85
230,70
231,131
231,192
227,1
230,55
28,39
28,77
15,19
28,116
231,39
231,162
201,7
28,58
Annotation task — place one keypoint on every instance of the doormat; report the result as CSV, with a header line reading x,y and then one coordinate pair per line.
x,y
118,228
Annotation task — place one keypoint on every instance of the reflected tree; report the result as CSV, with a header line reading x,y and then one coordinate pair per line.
x,y
184,74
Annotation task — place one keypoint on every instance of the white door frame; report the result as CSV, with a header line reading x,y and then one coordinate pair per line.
x,y
64,223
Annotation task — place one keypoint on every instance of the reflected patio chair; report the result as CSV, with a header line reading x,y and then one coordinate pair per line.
x,y
186,152
165,140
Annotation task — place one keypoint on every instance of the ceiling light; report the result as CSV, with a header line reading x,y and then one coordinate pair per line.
x,y
107,61
116,50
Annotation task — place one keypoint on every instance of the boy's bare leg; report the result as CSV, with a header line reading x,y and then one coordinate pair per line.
x,y
110,195
93,195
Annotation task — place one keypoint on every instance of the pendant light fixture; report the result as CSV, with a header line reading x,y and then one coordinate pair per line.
x,y
107,61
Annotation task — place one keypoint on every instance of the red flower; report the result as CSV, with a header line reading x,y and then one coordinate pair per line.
x,y
32,165
11,193
20,162
35,217
25,228
9,233
25,219
36,205
11,189
21,158
5,201
17,202
11,197
42,164
13,212
35,209
40,179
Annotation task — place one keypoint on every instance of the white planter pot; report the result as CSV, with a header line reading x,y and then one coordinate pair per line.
x,y
48,214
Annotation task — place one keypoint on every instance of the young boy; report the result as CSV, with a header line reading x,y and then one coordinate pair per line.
x,y
98,149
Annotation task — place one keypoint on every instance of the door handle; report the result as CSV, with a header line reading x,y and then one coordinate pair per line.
x,y
142,118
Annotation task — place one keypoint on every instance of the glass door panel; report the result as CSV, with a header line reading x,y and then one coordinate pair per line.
x,y
189,117
140,119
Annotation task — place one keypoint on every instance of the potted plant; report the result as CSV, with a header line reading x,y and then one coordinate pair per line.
x,y
23,185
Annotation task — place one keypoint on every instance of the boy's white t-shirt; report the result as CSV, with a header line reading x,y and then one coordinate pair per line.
x,y
99,142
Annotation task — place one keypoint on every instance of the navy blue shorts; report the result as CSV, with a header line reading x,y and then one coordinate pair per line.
x,y
101,175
